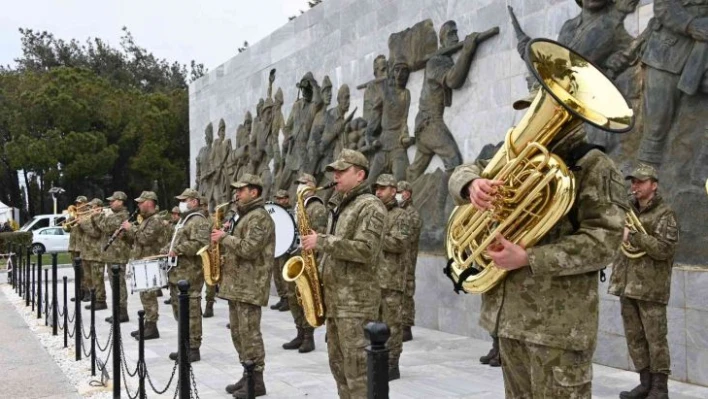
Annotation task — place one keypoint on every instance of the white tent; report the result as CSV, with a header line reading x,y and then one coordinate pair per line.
x,y
6,212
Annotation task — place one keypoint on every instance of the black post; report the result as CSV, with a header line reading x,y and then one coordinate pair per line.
x,y
116,329
141,354
39,285
77,306
377,360
93,332
248,367
46,297
183,339
27,276
34,285
18,286
11,273
66,315
55,298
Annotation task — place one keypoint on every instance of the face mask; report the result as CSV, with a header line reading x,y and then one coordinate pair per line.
x,y
183,207
399,197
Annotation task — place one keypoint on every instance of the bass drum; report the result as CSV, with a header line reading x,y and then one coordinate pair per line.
x,y
285,229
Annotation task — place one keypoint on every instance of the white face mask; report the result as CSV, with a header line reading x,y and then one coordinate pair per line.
x,y
183,207
399,197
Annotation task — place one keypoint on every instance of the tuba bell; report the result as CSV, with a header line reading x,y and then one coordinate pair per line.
x,y
538,188
211,254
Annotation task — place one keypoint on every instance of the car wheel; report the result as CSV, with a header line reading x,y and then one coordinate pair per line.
x,y
38,248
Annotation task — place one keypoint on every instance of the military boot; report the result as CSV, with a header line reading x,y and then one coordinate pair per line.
x,y
231,388
87,296
494,352
259,387
642,390
496,360
285,307
296,342
194,355
122,317
99,306
659,386
209,310
393,372
168,301
159,293
308,341
407,334
150,332
278,304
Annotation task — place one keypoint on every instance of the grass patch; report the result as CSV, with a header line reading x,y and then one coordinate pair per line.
x,y
62,258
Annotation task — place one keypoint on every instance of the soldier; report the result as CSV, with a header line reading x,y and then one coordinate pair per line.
x,y
75,241
404,197
316,213
546,310
190,235
174,218
147,239
119,250
391,271
210,289
318,125
643,285
282,198
91,255
249,254
352,246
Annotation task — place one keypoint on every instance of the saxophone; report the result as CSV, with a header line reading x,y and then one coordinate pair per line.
x,y
303,269
211,254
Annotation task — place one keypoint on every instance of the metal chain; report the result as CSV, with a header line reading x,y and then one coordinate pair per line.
x,y
110,335
83,330
195,393
123,370
73,331
71,318
122,354
157,391
105,363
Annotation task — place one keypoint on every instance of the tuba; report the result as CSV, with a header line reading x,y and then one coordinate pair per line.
x,y
211,254
303,269
633,223
538,188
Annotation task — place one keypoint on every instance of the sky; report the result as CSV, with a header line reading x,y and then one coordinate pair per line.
x,y
207,31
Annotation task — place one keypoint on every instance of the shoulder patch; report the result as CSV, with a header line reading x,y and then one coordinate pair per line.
x,y
615,190
375,223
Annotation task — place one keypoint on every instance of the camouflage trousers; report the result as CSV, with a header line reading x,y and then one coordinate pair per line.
x,y
347,358
245,319
122,289
86,274
210,293
195,310
646,328
280,285
541,372
296,308
149,301
408,317
98,281
390,313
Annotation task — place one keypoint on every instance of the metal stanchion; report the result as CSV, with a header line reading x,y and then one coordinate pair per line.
x,y
11,273
77,306
33,294
55,311
115,276
27,276
20,272
46,297
93,332
183,339
66,314
377,360
39,285
141,354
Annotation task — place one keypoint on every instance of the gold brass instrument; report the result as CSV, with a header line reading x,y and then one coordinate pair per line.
x,y
211,254
538,188
302,269
633,223
75,215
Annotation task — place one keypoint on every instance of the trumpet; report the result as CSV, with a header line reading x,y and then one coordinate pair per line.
x,y
633,223
76,214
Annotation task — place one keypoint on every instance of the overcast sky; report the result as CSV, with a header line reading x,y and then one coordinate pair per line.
x,y
208,31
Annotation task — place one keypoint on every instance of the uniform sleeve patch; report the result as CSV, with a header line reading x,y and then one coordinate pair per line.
x,y
375,223
615,190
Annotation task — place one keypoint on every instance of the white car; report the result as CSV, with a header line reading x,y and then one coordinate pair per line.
x,y
49,240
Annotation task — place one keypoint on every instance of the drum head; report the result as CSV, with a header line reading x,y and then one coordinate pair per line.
x,y
285,230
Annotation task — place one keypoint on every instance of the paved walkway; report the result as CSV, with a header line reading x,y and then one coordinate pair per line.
x,y
433,365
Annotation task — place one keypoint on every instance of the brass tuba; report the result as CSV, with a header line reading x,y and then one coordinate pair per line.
x,y
633,223
303,269
211,254
538,188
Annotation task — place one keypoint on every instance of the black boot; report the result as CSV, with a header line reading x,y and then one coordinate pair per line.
x,y
407,334
87,296
259,387
494,352
122,317
308,341
150,332
168,301
159,293
393,373
496,360
285,306
99,306
209,310
134,334
659,386
296,342
642,390
278,304
194,355
231,388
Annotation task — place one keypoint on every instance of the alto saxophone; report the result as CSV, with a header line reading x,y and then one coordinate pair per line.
x,y
211,254
303,269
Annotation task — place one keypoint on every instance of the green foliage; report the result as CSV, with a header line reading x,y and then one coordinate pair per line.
x,y
15,238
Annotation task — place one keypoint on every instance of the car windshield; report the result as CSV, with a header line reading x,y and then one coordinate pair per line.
x,y
35,223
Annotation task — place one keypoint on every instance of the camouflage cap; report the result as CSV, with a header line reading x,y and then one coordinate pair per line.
x,y
118,195
306,178
96,202
188,193
147,195
385,180
348,158
248,180
282,194
643,172
175,209
404,186
81,198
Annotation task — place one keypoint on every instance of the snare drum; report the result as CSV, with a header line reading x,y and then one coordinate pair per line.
x,y
147,274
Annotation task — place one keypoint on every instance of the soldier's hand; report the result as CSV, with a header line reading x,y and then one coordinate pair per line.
x,y
625,236
470,44
309,241
172,254
482,192
217,235
698,29
507,255
126,225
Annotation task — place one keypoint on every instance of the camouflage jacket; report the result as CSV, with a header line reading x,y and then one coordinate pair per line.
x,y
191,234
75,239
648,278
90,244
554,302
148,238
416,225
316,213
350,255
249,254
119,251
395,246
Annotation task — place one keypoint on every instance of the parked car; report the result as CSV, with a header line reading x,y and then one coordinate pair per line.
x,y
40,221
50,239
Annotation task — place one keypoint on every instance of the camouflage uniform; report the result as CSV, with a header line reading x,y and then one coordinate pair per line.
x,y
391,271
119,251
349,256
249,253
90,248
546,314
191,234
416,224
210,293
644,284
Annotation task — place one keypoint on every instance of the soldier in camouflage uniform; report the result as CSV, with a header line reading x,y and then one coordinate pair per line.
x,y
210,289
391,271
169,231
119,251
643,285
249,254
148,238
75,240
349,254
190,235
404,197
546,310
90,248
282,198
317,215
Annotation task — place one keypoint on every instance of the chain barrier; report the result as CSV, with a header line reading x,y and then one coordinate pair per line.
x,y
73,331
158,391
104,374
122,358
71,318
83,330
194,394
123,370
108,343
